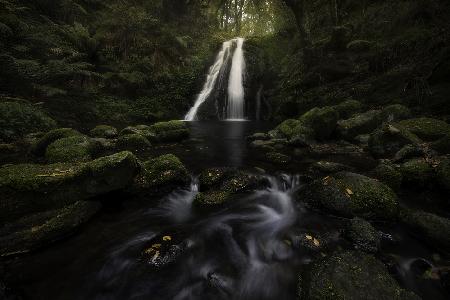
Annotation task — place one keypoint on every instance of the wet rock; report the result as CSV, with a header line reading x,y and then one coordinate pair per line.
x,y
160,175
360,124
70,149
328,167
143,130
258,136
388,173
132,142
348,108
18,119
443,174
34,231
349,194
388,140
427,226
396,112
29,188
214,177
322,120
442,145
164,251
277,158
171,131
363,235
417,172
427,129
353,275
206,201
104,131
40,146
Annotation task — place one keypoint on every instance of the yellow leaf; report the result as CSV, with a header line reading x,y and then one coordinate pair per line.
x,y
308,237
349,191
156,246
167,238
316,242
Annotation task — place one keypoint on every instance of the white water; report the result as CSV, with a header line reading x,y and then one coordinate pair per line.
x,y
235,91
211,79
235,83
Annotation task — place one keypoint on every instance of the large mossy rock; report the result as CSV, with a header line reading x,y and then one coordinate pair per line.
x,y
286,128
19,119
41,144
360,124
389,139
348,194
417,172
388,173
104,131
348,108
34,231
143,130
71,149
427,129
351,275
29,188
171,131
427,226
322,120
363,235
160,175
133,142
443,174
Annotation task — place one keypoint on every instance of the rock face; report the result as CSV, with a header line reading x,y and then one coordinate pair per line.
x,y
427,129
104,131
352,275
29,188
19,119
349,194
360,124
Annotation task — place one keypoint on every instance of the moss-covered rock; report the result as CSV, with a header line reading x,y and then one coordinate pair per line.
x,y
389,139
29,188
443,174
427,226
348,108
327,167
214,177
70,149
37,230
427,129
363,235
277,158
206,201
160,175
360,124
171,131
19,119
104,131
41,144
407,152
349,194
321,120
286,128
396,112
352,275
417,172
442,145
134,142
389,174
143,130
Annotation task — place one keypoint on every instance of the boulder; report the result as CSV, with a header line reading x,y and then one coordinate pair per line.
x,y
34,231
443,174
171,131
258,136
322,120
71,149
30,188
160,175
348,108
207,201
40,146
104,131
327,167
417,172
133,142
143,130
427,129
388,173
363,235
277,158
214,177
348,194
407,152
351,275
286,128
389,139
360,124
396,112
18,119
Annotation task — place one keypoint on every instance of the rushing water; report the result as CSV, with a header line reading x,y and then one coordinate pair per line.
x,y
235,104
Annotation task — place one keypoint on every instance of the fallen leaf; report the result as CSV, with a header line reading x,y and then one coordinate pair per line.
x,y
167,238
349,191
308,237
316,242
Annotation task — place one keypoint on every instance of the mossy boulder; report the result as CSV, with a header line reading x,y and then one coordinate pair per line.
x,y
360,124
417,172
70,149
34,231
214,177
443,174
104,131
363,235
351,275
133,142
396,112
327,167
171,131
18,119
389,139
41,144
442,145
210,200
348,108
349,194
277,158
286,128
388,173
427,226
322,120
161,175
143,130
427,129
407,152
30,188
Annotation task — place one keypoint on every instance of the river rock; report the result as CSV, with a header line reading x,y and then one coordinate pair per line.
x,y
417,172
363,235
389,139
328,167
171,131
388,173
133,142
76,148
351,275
427,129
348,108
29,188
321,120
40,146
104,131
349,194
360,124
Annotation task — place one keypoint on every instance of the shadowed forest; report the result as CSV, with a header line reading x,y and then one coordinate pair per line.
x,y
224,149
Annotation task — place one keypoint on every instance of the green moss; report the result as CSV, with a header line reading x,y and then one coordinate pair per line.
x,y
133,142
171,131
286,128
396,112
360,124
104,131
426,128
363,235
388,140
389,174
53,135
348,108
321,120
417,172
211,199
277,158
214,176
70,149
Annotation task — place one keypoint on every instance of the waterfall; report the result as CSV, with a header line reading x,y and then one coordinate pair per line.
x,y
211,79
235,91
235,84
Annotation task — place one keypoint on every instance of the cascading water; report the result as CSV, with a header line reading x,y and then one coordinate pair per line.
x,y
235,103
217,73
